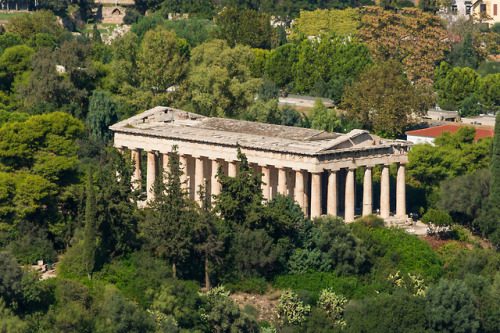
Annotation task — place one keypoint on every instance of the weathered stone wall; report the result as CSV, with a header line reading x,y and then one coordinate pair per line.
x,y
115,2
111,15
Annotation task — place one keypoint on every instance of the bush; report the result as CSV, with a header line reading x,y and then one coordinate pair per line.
x,y
253,286
30,248
317,281
371,221
291,310
437,217
395,249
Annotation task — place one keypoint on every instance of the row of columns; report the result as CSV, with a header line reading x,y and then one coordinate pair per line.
x,y
299,190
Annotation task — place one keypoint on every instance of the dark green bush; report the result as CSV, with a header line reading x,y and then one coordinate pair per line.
x,y
253,286
315,282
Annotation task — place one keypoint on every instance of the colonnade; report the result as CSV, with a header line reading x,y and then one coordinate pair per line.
x,y
317,192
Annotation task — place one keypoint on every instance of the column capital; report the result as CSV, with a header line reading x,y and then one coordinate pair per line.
x,y
316,171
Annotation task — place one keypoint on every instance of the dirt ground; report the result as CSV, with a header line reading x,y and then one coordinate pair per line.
x,y
265,304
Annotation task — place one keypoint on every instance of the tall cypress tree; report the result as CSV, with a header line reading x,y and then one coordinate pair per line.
x,y
90,239
490,215
170,216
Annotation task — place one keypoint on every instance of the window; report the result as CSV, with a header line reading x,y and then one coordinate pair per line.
x,y
482,8
495,9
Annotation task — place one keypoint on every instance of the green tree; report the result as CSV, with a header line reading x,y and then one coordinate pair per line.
x,y
9,39
385,100
326,22
42,40
455,86
91,237
28,25
470,107
279,64
345,251
14,63
451,307
208,236
220,81
240,199
488,221
96,35
323,119
488,91
263,112
245,27
467,56
162,62
10,323
101,115
169,217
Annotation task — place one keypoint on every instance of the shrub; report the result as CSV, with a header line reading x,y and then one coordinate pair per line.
x,y
291,310
253,286
315,282
371,221
332,304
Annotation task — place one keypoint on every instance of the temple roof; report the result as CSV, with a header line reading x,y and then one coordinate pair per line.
x,y
178,124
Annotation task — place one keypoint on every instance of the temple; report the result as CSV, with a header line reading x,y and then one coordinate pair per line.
x,y
315,167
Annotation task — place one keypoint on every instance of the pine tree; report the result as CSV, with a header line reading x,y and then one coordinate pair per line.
x,y
240,200
170,216
91,226
207,234
96,35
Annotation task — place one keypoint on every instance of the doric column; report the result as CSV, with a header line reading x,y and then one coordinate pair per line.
x,y
214,184
137,174
282,181
165,167
183,161
315,194
367,192
349,196
151,175
331,207
231,168
401,192
299,188
385,201
199,178
266,181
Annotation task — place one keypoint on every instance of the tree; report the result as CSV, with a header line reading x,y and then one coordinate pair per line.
x,y
326,22
488,221
417,39
245,27
240,200
96,35
54,5
385,100
162,61
488,91
220,81
14,63
456,85
263,112
208,235
451,307
470,107
323,119
169,218
28,25
91,238
279,64
345,251
465,54
437,217
10,323
102,114
452,155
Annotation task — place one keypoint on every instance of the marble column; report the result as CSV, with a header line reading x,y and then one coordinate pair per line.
x,y
299,188
350,198
266,182
231,168
137,173
183,161
151,174
331,206
367,192
199,178
385,199
315,194
282,186
214,184
165,167
401,192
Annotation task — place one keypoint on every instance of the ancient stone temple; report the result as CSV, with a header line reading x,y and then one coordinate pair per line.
x,y
315,167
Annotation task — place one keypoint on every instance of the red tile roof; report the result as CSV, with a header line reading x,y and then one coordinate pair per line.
x,y
436,131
